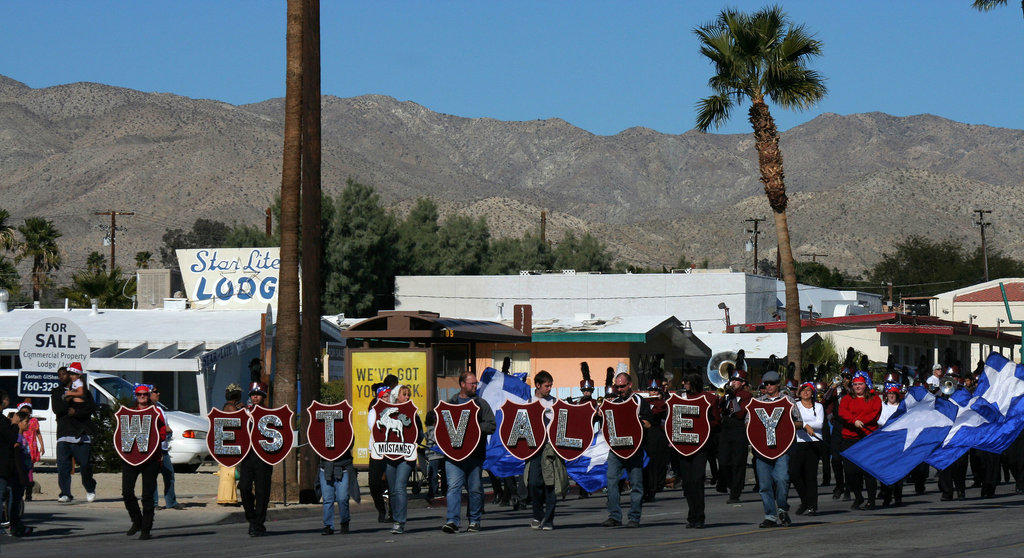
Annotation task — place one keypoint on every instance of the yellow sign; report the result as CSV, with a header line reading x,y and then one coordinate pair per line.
x,y
371,367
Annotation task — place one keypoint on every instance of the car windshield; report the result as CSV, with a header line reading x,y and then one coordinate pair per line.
x,y
121,389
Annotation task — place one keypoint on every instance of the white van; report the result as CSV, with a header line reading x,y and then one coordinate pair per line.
x,y
188,432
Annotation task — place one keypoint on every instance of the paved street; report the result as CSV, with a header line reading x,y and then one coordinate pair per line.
x,y
923,525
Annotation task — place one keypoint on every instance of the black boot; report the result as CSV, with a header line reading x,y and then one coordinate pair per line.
x,y
28,491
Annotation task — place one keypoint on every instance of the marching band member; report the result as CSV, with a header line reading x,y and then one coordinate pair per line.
x,y
398,470
545,471
149,470
732,445
655,441
773,474
691,468
254,475
623,385
803,464
891,493
858,413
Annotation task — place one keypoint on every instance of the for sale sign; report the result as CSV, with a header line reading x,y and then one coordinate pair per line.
x,y
51,343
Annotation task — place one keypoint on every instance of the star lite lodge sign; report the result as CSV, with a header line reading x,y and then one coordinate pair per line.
x,y
230,278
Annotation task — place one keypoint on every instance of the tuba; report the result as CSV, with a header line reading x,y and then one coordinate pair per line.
x,y
718,368
947,385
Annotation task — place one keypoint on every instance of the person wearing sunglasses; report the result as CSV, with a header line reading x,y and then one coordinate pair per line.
x,y
773,474
142,520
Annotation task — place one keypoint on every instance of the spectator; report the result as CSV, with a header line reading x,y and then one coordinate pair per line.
x,y
74,428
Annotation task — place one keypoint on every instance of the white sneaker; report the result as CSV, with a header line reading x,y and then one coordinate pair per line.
x,y
90,496
63,499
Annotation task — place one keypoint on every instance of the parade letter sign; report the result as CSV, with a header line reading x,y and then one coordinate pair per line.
x,y
688,426
136,435
394,433
571,431
228,437
329,429
771,429
457,432
622,428
522,429
272,436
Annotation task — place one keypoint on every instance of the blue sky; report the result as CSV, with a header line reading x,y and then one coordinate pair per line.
x,y
602,66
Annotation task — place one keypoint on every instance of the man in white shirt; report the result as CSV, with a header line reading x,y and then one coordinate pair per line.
x,y
935,379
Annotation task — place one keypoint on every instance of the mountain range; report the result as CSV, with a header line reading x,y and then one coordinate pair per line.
x,y
858,183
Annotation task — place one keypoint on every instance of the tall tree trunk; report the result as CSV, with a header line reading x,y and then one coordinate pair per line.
x,y
310,372
287,338
769,158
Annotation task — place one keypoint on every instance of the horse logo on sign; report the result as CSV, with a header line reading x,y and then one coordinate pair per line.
x,y
622,428
771,429
395,433
228,437
571,431
522,429
272,436
329,429
688,426
136,436
458,430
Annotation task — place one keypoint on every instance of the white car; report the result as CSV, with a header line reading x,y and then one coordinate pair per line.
x,y
188,432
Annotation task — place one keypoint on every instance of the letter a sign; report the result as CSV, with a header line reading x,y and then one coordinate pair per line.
x,y
136,437
771,429
522,428
457,432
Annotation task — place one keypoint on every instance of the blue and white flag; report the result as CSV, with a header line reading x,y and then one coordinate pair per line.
x,y
915,431
989,420
590,470
495,388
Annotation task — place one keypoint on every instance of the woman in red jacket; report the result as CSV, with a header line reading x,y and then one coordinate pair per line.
x,y
858,413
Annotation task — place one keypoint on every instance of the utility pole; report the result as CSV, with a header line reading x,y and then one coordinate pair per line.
x,y
754,233
113,230
981,223
814,257
268,226
543,226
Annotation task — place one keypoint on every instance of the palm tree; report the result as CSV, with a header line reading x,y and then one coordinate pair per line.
x,y
7,238
986,5
756,57
39,243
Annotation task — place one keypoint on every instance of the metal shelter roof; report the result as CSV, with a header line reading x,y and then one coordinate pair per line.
x,y
431,327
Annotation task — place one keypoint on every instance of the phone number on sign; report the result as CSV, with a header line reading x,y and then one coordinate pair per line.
x,y
39,387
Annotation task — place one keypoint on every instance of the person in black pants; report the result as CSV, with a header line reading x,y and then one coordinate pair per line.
x,y
254,476
149,469
732,445
803,462
954,477
692,467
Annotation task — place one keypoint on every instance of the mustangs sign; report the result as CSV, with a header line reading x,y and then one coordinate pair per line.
x,y
458,430
329,429
571,431
228,437
622,428
394,434
522,429
136,436
771,429
688,426
272,436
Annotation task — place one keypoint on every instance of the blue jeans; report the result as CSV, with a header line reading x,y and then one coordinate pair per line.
x,y
81,453
167,471
467,472
336,492
774,478
433,473
398,479
634,467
